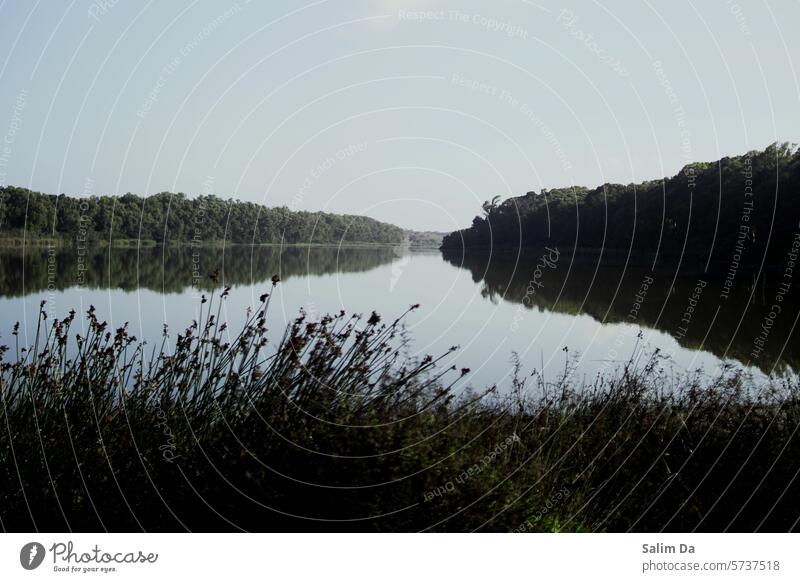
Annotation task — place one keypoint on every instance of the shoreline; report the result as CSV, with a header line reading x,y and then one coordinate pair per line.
x,y
689,264
148,243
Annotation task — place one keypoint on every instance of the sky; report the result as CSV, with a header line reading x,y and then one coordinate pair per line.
x,y
412,112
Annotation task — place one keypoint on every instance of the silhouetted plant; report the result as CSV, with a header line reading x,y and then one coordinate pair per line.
x,y
337,428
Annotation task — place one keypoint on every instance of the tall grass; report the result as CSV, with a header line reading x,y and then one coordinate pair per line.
x,y
336,428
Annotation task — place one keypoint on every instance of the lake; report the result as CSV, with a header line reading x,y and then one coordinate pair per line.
x,y
542,304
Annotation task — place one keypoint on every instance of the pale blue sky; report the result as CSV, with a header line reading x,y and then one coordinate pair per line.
x,y
419,120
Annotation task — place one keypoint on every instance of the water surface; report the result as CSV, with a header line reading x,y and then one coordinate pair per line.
x,y
540,304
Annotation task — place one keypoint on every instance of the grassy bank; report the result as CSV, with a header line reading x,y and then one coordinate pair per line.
x,y
337,429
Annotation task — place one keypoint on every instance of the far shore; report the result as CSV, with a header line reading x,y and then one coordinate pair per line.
x,y
133,243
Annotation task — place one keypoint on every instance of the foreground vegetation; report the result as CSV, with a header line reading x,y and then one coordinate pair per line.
x,y
336,428
168,218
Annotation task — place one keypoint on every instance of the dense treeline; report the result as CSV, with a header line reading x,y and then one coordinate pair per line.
x,y
174,218
425,239
745,205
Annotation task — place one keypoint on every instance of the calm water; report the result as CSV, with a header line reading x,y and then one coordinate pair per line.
x,y
535,305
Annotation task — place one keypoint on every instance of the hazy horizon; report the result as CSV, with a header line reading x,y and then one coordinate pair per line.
x,y
373,108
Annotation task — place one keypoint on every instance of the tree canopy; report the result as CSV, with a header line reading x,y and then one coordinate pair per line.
x,y
175,218
702,213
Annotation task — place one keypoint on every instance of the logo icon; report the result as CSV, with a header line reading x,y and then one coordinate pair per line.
x,y
397,271
31,555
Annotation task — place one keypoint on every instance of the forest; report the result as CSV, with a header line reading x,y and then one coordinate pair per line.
x,y
168,218
744,207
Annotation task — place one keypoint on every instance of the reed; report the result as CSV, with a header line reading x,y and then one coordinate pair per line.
x,y
336,428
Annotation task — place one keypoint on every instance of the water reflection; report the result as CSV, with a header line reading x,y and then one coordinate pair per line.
x,y
689,306
173,269
534,304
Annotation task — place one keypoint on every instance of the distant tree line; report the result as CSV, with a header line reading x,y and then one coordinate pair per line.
x,y
425,239
745,206
174,218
